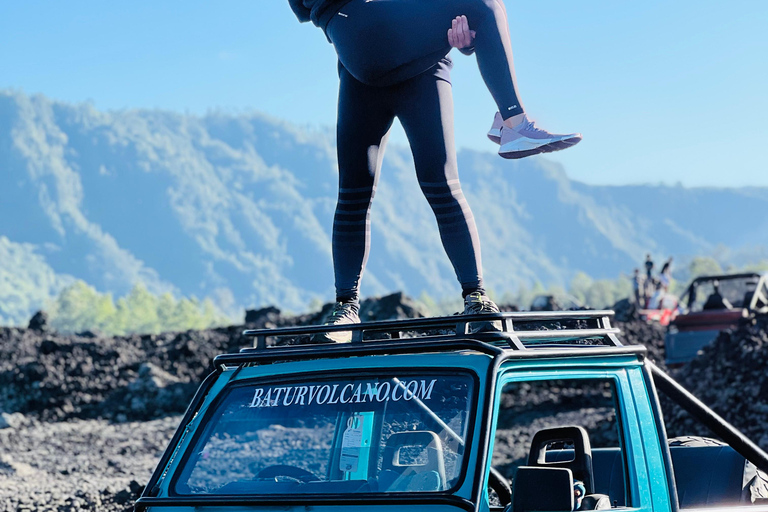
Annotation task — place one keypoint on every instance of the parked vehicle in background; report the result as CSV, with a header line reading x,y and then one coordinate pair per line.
x,y
664,310
419,415
712,304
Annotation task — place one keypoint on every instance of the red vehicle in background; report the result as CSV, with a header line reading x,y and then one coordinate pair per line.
x,y
664,311
712,304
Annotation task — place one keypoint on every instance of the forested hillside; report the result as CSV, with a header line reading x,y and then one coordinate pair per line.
x,y
238,208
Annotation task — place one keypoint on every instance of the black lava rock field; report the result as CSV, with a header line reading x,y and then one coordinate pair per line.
x,y
731,376
84,418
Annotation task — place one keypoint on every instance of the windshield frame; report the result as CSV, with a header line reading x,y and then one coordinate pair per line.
x,y
213,409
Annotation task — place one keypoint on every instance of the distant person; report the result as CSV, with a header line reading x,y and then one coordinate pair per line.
x,y
638,288
658,295
393,62
666,274
650,282
648,268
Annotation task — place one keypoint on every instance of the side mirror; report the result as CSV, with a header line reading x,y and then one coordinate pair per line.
x,y
538,489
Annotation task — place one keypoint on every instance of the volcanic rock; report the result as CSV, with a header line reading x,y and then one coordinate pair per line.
x,y
39,322
729,375
391,307
86,417
259,318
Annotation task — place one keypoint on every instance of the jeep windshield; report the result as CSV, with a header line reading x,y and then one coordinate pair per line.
x,y
722,292
355,434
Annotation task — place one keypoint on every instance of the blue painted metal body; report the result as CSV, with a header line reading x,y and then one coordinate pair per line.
x,y
650,488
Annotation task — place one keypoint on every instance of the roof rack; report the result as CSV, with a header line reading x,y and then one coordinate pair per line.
x,y
519,330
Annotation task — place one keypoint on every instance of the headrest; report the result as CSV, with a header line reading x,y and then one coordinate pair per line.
x,y
581,465
416,450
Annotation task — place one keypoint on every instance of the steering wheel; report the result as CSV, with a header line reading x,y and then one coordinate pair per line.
x,y
292,473
500,486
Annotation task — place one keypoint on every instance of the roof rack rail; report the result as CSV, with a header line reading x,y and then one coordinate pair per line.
x,y
518,329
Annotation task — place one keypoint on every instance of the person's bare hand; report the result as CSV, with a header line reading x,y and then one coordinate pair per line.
x,y
459,35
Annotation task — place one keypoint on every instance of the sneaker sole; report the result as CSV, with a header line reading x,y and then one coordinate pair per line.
x,y
478,327
545,148
332,337
495,136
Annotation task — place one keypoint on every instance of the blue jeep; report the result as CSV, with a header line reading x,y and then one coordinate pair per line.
x,y
551,414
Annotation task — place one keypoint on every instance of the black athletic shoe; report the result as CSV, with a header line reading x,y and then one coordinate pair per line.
x,y
342,313
477,303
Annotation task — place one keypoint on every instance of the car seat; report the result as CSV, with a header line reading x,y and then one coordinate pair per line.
x,y
537,489
580,465
716,301
402,471
748,296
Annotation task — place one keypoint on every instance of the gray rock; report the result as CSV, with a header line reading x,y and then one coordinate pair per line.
x,y
11,420
39,322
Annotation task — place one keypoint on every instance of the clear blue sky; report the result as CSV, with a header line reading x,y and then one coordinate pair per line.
x,y
662,91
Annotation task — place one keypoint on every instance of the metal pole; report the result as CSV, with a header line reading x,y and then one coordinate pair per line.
x,y
696,408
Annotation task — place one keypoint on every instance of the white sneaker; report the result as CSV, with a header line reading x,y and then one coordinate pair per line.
x,y
475,304
342,313
495,132
527,139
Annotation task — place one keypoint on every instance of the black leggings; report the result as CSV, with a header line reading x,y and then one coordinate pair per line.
x,y
384,42
424,106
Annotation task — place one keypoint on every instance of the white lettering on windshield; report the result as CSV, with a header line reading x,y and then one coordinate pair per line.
x,y
402,390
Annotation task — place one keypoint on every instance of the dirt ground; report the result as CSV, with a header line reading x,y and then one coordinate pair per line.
x,y
78,464
85,418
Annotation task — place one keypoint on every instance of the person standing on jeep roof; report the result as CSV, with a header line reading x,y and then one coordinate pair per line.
x,y
385,42
393,62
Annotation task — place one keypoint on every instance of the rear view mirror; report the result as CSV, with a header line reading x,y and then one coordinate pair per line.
x,y
537,489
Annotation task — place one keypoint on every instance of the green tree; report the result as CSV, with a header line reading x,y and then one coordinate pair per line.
x,y
104,313
703,266
210,316
187,315
77,308
761,266
123,318
166,311
141,311
429,303
580,285
604,293
80,307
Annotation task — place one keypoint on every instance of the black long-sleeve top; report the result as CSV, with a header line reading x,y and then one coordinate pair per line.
x,y
318,12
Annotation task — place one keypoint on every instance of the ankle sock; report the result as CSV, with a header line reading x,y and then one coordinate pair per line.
x,y
466,292
355,301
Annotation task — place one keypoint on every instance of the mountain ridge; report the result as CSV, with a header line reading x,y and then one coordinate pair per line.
x,y
240,207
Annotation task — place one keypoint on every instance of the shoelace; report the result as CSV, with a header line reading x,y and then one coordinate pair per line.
x,y
485,307
482,306
340,310
530,126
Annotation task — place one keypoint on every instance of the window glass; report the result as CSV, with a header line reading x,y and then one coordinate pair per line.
x,y
722,294
535,406
341,435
